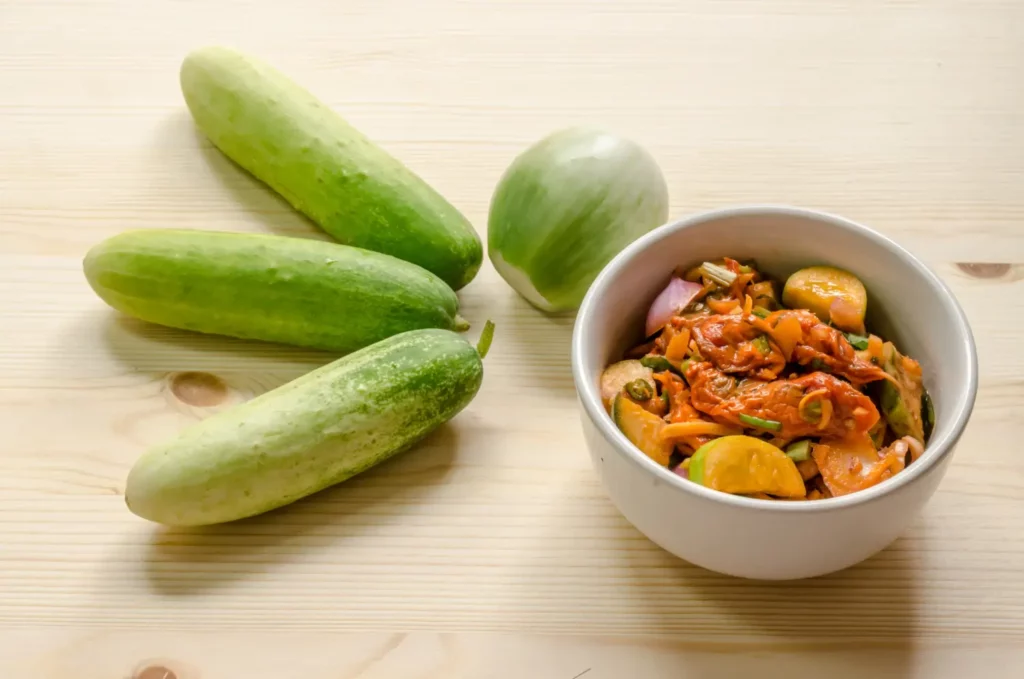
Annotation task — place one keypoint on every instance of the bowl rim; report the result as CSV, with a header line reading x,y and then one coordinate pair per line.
x,y
591,401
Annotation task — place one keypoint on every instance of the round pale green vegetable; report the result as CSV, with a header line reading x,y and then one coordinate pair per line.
x,y
565,207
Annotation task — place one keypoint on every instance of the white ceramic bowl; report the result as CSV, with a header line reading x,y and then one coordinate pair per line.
x,y
757,538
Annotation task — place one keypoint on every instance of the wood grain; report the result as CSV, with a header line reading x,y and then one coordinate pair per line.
x,y
489,551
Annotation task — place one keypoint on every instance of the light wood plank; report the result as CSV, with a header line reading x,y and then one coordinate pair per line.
x,y
904,114
469,656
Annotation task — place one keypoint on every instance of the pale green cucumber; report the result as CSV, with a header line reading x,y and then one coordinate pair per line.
x,y
291,290
314,432
323,166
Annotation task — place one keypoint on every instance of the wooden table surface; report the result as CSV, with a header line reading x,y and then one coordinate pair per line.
x,y
491,550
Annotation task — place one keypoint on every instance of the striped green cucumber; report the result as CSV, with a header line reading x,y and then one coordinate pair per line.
x,y
323,166
314,432
255,286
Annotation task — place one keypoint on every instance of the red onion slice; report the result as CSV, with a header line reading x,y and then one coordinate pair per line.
x,y
676,296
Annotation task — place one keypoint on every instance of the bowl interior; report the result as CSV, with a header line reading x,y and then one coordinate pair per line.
x,y
907,303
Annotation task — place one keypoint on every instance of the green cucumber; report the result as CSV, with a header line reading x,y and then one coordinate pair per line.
x,y
291,290
314,432
323,166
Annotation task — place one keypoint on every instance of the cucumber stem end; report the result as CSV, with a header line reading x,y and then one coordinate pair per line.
x,y
483,345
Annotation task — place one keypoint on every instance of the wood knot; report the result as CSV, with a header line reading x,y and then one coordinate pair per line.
x,y
985,269
199,389
155,672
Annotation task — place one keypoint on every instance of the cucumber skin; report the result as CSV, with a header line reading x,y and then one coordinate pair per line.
x,y
324,167
304,436
255,286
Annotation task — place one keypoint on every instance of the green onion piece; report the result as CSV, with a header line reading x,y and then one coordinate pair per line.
x,y
858,341
818,364
665,399
656,363
639,390
812,413
718,274
483,345
660,364
760,312
761,342
799,451
757,422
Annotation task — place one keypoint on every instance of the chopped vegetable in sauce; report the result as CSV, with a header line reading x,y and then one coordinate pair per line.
x,y
803,400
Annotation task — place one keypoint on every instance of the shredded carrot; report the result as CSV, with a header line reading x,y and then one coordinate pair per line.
x,y
721,306
680,409
763,325
787,333
748,305
695,428
826,413
677,346
807,400
739,285
669,381
811,396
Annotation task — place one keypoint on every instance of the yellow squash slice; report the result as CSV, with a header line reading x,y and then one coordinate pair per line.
x,y
745,465
643,429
